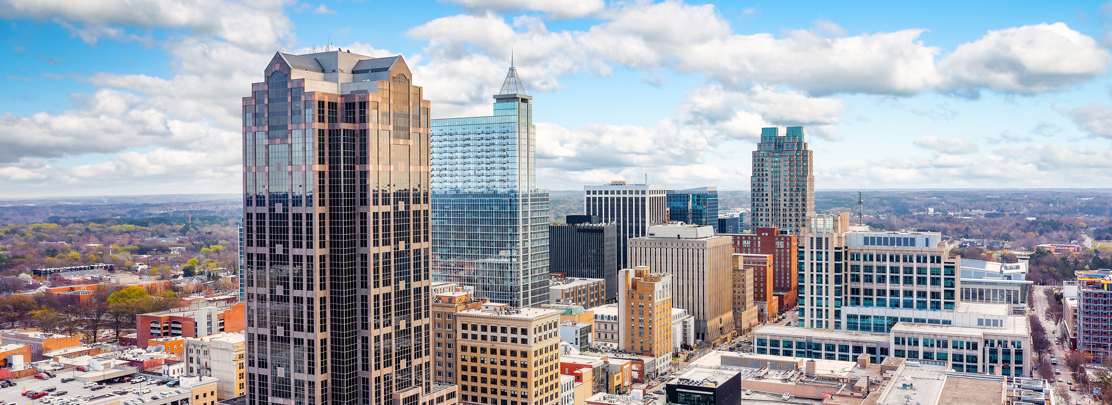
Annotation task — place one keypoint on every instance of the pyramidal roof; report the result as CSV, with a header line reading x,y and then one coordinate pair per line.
x,y
512,85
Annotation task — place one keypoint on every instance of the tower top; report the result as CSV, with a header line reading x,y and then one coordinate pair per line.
x,y
512,85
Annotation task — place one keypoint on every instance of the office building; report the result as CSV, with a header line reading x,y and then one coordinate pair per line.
x,y
519,346
760,266
488,216
241,256
701,265
783,181
336,202
215,318
995,283
645,315
729,224
683,330
746,314
784,249
222,356
822,271
587,292
585,247
445,306
631,207
694,206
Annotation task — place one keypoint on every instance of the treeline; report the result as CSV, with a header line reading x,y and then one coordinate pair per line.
x,y
106,311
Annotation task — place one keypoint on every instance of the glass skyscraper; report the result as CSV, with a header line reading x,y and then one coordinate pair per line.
x,y
489,220
695,206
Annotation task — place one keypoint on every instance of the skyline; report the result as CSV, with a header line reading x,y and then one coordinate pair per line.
x,y
106,100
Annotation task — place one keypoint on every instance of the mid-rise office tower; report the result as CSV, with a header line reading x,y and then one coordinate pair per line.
x,y
633,207
695,206
336,188
583,247
783,181
490,222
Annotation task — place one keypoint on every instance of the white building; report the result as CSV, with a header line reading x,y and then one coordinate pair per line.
x,y
633,207
576,334
220,356
567,390
606,326
683,329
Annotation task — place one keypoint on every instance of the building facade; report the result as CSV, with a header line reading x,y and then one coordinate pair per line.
x,y
784,249
222,356
489,219
1094,322
694,206
783,181
645,314
746,314
822,271
631,207
445,306
760,266
729,224
606,326
336,218
508,354
185,322
587,292
585,247
701,265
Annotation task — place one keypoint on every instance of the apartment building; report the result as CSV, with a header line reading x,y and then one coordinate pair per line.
x,y
1094,313
784,249
508,355
606,326
190,322
645,316
222,356
783,181
701,265
445,306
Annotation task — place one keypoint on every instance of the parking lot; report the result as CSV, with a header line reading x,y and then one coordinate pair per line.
x,y
77,393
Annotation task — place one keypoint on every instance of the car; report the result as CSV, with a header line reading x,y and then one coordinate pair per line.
x,y
126,379
39,395
1072,388
99,387
28,393
173,383
154,397
6,383
144,391
1058,371
138,380
50,389
45,401
82,368
49,373
67,379
60,393
1059,379
748,392
41,376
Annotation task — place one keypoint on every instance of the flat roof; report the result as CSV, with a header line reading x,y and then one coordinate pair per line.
x,y
12,346
1013,325
926,381
523,313
823,333
608,309
571,282
966,390
704,377
983,309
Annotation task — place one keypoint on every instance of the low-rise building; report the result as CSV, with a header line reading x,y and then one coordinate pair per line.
x,y
588,292
645,317
683,330
606,326
523,343
700,386
591,371
9,353
446,304
567,390
72,352
40,342
172,345
221,356
576,334
186,322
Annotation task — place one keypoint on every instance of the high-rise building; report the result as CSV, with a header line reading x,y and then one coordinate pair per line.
x,y
729,224
783,181
822,269
701,265
488,216
521,343
336,203
645,315
632,207
785,260
584,247
695,206
239,280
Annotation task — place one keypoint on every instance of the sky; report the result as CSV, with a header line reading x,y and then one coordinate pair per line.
x,y
128,97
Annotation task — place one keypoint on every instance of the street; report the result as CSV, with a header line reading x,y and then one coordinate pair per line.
x,y
1041,308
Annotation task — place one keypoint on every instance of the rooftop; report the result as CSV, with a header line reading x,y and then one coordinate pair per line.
x,y
837,334
1013,325
189,312
510,313
225,337
572,282
704,377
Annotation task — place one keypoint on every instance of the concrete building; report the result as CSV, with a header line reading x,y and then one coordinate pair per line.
x,y
588,292
645,317
632,207
683,330
783,181
40,342
606,326
760,266
705,387
784,250
445,306
221,356
591,371
746,313
484,168
522,343
576,334
584,247
729,224
336,225
12,354
567,390
995,283
694,206
701,265
186,322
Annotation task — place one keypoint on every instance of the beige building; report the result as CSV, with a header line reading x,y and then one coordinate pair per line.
x,y
220,356
606,326
508,355
445,305
701,265
645,316
588,292
745,309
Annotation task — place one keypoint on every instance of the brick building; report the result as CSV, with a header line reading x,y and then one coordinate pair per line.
x,y
187,322
40,342
785,260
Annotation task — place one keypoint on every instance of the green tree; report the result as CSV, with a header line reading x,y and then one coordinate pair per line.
x,y
51,252
128,296
189,270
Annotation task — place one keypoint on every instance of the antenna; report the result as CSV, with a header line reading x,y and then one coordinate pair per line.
x,y
511,57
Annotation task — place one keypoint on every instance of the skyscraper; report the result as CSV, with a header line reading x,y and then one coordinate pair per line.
x,y
783,182
633,207
336,194
584,247
490,222
695,206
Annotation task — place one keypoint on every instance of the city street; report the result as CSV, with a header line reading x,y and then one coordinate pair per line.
x,y
1041,308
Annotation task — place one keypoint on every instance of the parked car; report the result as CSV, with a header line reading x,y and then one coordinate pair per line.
x,y
99,387
39,395
60,393
41,376
138,380
50,389
82,368
28,393
6,384
126,379
67,379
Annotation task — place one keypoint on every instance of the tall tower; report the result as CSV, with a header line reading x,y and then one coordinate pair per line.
x,y
490,222
783,182
633,207
336,194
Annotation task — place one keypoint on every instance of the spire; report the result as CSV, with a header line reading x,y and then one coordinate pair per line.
x,y
512,85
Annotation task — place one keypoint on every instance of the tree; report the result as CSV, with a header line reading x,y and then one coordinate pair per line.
x,y
48,300
189,270
1039,340
48,320
97,313
127,296
17,308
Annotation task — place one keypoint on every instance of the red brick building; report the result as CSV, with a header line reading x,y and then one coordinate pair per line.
x,y
785,260
189,322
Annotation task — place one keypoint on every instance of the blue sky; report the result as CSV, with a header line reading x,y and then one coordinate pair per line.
x,y
105,97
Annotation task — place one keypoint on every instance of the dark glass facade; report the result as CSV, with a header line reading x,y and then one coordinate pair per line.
x,y
585,248
696,206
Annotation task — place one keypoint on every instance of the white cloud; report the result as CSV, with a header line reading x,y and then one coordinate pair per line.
x,y
556,9
1009,137
952,145
323,9
1094,118
1026,60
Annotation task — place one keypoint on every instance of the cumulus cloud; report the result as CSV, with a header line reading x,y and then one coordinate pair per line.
x,y
952,145
556,9
1025,60
1094,118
